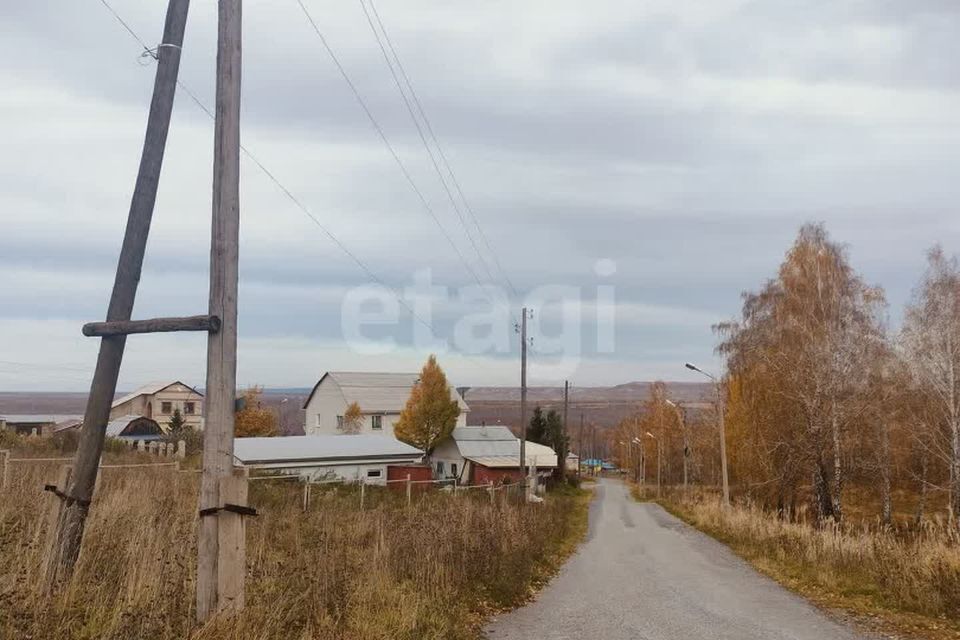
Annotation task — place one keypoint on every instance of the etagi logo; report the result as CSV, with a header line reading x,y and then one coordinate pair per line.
x,y
483,319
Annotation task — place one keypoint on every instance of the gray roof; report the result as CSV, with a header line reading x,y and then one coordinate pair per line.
x,y
150,389
115,427
320,449
378,391
497,447
39,418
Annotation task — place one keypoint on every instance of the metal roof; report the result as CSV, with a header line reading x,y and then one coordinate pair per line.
x,y
319,449
115,427
38,418
377,391
497,447
150,389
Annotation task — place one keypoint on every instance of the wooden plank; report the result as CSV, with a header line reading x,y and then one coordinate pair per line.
x,y
231,533
104,384
224,258
210,324
54,513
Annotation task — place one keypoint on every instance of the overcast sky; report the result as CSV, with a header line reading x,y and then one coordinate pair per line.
x,y
680,142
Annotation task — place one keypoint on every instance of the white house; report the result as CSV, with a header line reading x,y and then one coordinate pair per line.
x,y
381,397
477,455
159,401
316,458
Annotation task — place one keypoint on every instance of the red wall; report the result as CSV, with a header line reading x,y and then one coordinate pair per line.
x,y
416,471
483,475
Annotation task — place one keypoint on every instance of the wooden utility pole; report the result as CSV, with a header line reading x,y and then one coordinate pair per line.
x,y
79,491
565,443
215,571
580,448
523,396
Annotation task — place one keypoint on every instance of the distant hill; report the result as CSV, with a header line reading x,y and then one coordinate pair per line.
x,y
603,406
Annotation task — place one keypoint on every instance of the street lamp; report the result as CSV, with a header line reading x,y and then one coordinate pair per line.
x,y
723,437
686,444
659,455
642,479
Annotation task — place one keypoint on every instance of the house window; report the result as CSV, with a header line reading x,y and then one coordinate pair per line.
x,y
440,468
166,408
189,408
453,469
340,422
376,422
374,473
319,422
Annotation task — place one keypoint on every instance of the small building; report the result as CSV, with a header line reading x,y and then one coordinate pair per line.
x,y
159,400
477,455
349,458
35,424
130,428
573,461
380,396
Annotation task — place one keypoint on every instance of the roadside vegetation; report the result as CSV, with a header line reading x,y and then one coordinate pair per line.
x,y
900,579
432,570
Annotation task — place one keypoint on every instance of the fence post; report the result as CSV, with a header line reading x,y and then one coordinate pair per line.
x,y
490,490
53,517
181,449
454,488
306,495
5,475
363,486
408,489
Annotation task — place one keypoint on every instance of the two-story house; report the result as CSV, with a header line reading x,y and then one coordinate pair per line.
x,y
159,400
380,396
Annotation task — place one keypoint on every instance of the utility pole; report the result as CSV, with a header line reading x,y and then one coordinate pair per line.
x,y
523,395
79,490
215,589
565,442
580,447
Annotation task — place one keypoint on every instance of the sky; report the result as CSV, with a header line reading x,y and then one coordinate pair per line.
x,y
632,167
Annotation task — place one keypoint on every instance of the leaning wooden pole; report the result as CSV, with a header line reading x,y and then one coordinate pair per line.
x,y
221,346
79,493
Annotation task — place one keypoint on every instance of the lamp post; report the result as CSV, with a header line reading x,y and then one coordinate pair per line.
x,y
659,456
639,473
683,430
723,437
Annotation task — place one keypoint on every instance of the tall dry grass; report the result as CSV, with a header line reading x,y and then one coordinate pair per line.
x,y
429,571
868,567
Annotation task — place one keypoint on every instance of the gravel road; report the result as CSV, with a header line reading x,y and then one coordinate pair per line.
x,y
644,575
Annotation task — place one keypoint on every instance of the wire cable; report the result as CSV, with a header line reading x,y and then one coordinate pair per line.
x,y
270,175
443,157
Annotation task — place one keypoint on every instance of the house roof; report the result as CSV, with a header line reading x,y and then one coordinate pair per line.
x,y
377,391
38,418
116,427
322,449
496,446
150,389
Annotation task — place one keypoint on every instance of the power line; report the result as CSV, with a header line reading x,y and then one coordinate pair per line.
x,y
386,142
423,139
436,142
303,208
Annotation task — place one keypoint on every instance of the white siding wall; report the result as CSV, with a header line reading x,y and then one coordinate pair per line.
x,y
449,455
346,473
324,407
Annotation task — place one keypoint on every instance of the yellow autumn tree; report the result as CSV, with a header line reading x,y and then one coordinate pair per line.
x,y
352,419
253,419
430,413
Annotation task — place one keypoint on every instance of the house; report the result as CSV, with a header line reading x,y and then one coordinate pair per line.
x,y
129,428
159,400
350,458
35,424
380,396
477,455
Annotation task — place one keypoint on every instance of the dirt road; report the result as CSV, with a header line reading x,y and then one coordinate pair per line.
x,y
644,575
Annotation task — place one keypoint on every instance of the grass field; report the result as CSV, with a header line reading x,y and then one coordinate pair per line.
x,y
901,580
434,570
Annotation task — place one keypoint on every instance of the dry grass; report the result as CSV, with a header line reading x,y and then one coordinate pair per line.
x,y
906,581
430,571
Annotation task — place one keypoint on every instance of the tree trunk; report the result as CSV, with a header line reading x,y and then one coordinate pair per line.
x,y
836,502
886,515
822,501
922,501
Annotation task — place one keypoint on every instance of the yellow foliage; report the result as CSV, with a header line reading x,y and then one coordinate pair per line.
x,y
430,413
254,420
